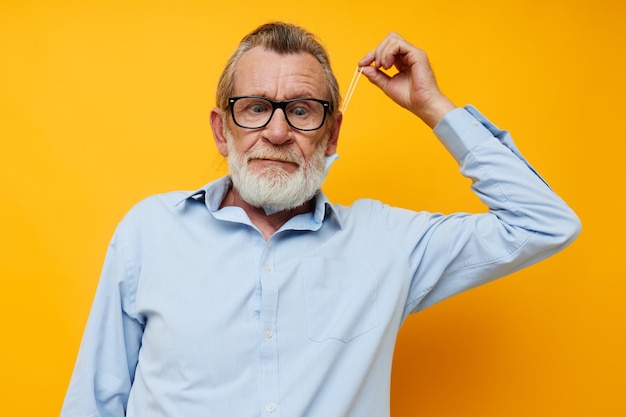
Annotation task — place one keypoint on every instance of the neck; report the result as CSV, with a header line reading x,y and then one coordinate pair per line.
x,y
267,224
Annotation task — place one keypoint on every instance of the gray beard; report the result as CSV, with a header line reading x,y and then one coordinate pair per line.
x,y
273,188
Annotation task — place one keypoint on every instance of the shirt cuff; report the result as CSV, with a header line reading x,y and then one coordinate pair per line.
x,y
460,131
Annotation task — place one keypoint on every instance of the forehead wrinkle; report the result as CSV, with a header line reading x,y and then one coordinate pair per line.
x,y
268,74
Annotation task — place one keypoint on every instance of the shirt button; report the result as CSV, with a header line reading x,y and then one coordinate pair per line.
x,y
270,407
268,333
475,122
267,267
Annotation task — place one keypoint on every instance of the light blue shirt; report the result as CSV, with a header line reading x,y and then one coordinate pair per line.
x,y
196,315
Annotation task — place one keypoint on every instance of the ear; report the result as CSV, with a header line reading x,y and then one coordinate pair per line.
x,y
218,120
331,148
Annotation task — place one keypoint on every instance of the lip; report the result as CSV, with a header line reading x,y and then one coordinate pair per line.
x,y
274,162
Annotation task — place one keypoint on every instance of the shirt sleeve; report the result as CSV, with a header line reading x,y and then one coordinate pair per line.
x,y
108,354
525,222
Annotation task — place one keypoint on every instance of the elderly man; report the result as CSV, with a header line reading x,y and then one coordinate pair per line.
x,y
255,295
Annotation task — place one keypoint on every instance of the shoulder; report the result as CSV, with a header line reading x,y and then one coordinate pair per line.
x,y
376,213
159,202
160,211
179,201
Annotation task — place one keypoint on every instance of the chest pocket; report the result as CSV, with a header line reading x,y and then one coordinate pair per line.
x,y
340,299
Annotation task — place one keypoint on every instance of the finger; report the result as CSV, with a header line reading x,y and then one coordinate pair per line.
x,y
384,52
389,52
376,77
393,51
368,59
374,57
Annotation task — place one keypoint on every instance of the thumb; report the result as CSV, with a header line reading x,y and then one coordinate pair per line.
x,y
377,77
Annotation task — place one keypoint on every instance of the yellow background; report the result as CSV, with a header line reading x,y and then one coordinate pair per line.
x,y
103,103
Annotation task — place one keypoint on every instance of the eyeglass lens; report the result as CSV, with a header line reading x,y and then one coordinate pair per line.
x,y
255,112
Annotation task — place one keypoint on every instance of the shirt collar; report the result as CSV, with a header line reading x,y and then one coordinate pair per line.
x,y
214,192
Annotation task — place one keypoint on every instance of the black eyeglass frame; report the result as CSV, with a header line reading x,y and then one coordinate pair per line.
x,y
279,105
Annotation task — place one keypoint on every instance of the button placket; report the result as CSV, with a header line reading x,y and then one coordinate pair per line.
x,y
268,344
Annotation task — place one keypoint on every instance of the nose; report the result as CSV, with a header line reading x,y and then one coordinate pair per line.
x,y
277,130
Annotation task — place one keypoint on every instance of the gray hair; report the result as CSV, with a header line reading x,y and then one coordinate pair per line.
x,y
282,38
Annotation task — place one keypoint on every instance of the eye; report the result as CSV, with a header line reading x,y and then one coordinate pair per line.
x,y
258,107
300,109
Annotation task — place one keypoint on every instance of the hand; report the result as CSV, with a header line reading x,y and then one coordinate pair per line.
x,y
414,86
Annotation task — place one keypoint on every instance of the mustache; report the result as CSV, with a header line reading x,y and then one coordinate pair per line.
x,y
275,154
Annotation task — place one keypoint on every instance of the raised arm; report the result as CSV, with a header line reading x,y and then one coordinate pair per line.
x,y
525,222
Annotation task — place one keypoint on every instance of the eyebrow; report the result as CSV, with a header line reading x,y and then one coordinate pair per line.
x,y
285,98
259,91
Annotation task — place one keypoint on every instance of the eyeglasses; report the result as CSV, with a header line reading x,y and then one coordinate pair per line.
x,y
252,112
